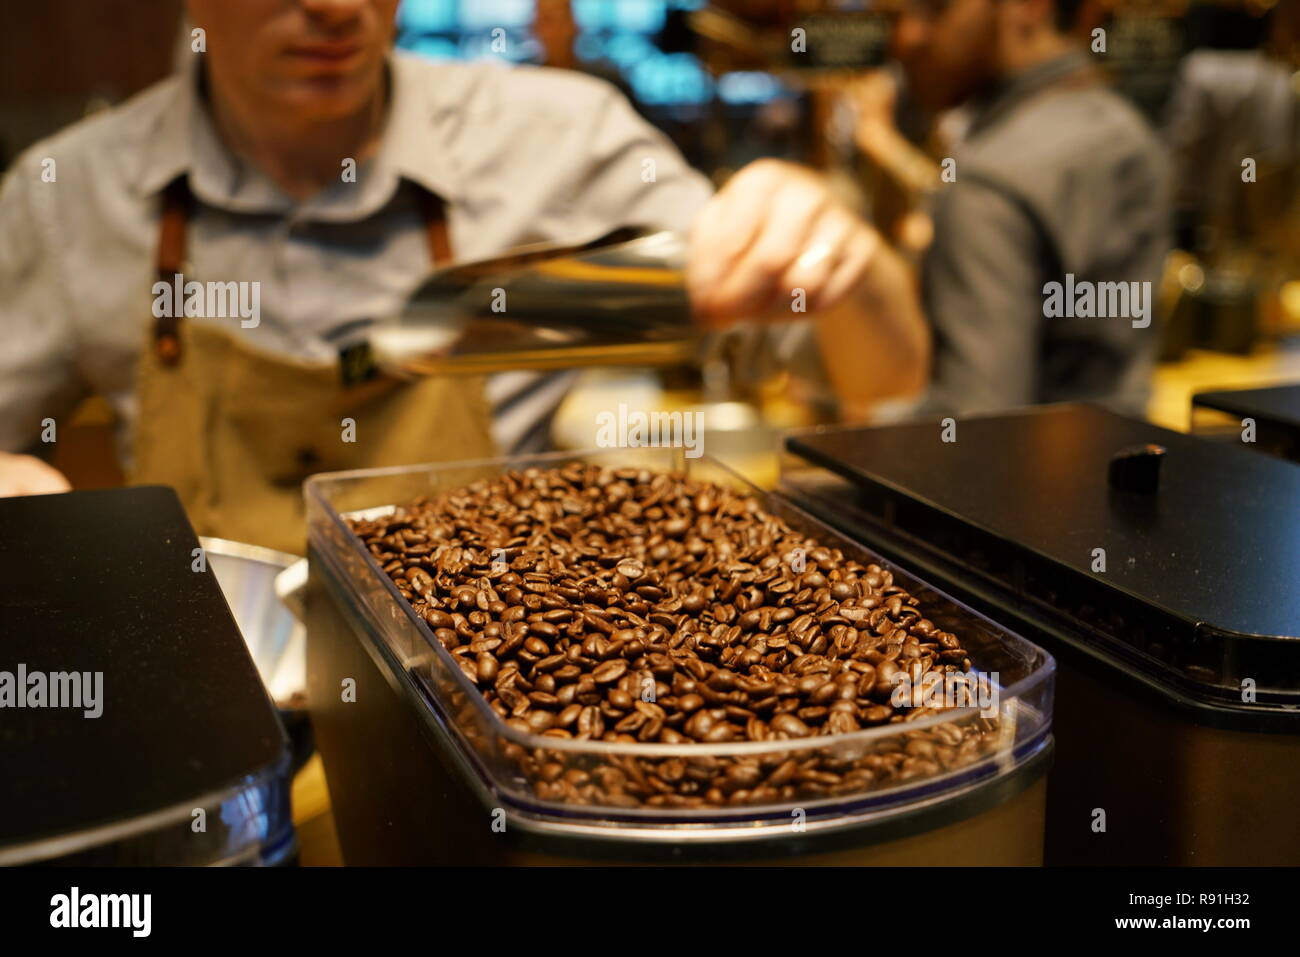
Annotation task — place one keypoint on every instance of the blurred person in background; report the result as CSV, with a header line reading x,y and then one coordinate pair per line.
x,y
1239,100
236,171
904,175
1054,174
556,31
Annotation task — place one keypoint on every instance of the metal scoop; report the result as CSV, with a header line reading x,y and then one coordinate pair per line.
x,y
618,300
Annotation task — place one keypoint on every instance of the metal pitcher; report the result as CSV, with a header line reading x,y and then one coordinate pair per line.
x,y
617,300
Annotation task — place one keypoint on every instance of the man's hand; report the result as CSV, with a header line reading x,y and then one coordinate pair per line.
x,y
775,236
772,232
27,475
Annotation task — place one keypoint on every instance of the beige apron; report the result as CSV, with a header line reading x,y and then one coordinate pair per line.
x,y
236,430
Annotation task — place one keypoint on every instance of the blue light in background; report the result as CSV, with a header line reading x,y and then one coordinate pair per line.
x,y
635,16
486,15
436,48
749,87
430,15
671,78
478,46
627,50
619,31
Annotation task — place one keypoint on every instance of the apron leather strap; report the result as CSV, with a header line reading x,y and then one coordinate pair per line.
x,y
434,212
177,203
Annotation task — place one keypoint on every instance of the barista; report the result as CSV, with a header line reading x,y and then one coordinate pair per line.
x,y
1054,177
301,160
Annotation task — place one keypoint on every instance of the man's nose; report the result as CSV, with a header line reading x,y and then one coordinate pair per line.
x,y
334,11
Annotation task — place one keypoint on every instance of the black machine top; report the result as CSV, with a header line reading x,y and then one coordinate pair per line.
x,y
101,583
1200,540
1279,404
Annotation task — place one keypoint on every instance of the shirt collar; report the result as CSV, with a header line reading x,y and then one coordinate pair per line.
x,y
185,142
166,150
426,99
1018,88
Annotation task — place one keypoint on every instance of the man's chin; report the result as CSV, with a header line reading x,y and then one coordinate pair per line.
x,y
327,98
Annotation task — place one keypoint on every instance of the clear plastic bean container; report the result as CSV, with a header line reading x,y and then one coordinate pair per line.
x,y
955,775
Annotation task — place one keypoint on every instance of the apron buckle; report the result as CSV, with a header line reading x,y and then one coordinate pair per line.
x,y
167,341
357,364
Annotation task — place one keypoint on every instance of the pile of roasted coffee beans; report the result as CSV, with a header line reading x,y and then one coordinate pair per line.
x,y
635,606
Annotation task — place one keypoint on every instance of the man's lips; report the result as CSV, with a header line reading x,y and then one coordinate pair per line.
x,y
326,53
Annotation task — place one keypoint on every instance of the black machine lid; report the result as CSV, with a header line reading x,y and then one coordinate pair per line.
x,y
1201,539
1279,405
102,582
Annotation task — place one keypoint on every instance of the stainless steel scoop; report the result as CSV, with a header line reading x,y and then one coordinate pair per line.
x,y
618,300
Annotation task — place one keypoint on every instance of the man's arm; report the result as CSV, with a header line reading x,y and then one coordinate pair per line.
x,y
37,358
772,237
775,241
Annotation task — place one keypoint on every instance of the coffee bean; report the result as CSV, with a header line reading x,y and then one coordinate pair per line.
x,y
590,722
886,675
631,569
720,732
619,699
743,775
639,607
689,703
437,619
790,725
609,671
540,720
487,668
700,724
784,774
